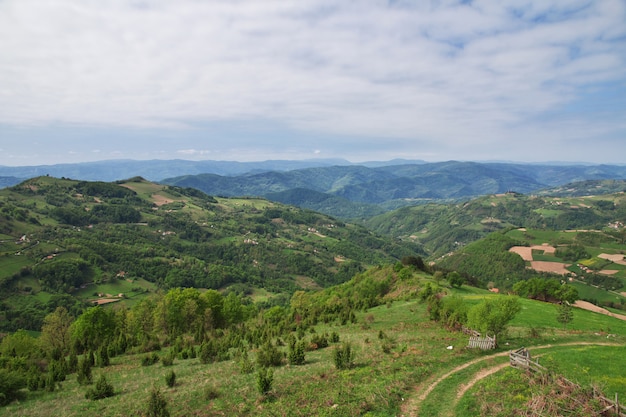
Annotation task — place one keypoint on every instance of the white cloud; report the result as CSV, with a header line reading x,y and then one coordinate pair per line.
x,y
435,72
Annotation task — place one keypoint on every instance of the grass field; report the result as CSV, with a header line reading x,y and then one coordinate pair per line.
x,y
387,374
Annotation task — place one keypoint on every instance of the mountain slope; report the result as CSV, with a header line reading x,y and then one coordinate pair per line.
x,y
63,238
400,185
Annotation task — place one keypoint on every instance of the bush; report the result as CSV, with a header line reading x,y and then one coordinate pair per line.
x,y
264,380
168,360
103,357
150,359
157,404
170,379
296,353
102,390
245,364
269,355
10,384
84,372
344,357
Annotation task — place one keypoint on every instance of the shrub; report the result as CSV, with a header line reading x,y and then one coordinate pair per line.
x,y
321,341
72,364
157,404
245,364
170,379
269,355
103,357
84,372
32,381
150,359
334,337
296,353
168,360
102,390
10,384
344,357
264,380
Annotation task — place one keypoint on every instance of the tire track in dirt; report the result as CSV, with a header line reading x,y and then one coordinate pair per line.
x,y
411,407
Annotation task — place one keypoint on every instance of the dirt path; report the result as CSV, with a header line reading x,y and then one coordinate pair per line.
x,y
411,407
592,307
483,373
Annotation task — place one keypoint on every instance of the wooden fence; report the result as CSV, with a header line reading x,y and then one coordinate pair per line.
x,y
520,358
478,341
484,343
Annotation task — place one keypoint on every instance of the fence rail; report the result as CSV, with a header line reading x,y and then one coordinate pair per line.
x,y
477,341
484,343
520,358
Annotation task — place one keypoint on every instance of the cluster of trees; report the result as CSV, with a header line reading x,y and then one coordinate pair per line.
x,y
488,260
208,325
490,317
546,289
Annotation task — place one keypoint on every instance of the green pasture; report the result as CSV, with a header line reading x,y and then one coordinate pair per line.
x,y
588,292
396,350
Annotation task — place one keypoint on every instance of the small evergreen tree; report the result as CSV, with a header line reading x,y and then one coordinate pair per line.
x,y
157,404
170,379
245,364
72,363
102,390
103,357
296,353
84,372
564,314
344,357
264,380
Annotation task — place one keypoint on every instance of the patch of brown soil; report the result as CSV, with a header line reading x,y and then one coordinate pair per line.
x,y
615,258
101,301
160,200
554,267
585,305
608,272
524,251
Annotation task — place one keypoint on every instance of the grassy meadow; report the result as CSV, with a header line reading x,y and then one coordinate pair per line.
x,y
398,354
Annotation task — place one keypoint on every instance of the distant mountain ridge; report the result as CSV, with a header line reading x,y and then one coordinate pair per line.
x,y
349,190
392,186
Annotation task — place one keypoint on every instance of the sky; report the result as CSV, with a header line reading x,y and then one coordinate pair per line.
x,y
252,80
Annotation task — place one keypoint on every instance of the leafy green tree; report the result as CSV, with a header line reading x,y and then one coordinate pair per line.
x,y
455,279
493,314
55,332
93,328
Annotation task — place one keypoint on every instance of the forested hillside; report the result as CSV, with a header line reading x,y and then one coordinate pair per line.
x,y
64,242
392,186
443,228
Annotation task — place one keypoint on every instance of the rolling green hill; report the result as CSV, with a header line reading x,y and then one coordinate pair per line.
x,y
444,228
64,241
393,186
